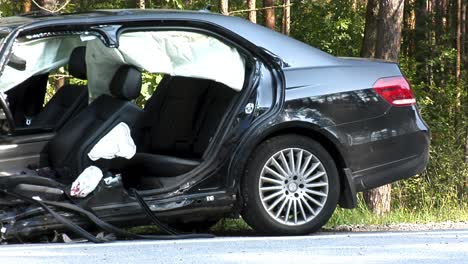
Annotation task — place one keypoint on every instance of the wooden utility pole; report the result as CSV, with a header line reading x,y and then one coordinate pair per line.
x,y
387,46
269,14
287,17
224,7
251,5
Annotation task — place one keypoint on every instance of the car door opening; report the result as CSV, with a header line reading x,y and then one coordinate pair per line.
x,y
202,78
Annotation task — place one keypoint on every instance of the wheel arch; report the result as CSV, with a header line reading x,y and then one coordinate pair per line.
x,y
314,134
307,130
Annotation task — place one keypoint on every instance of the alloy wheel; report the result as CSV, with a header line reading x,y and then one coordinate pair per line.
x,y
293,186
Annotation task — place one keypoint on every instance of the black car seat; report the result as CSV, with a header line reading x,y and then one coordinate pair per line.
x,y
179,121
68,150
69,100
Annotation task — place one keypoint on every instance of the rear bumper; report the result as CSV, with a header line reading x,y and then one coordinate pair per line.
x,y
390,172
394,146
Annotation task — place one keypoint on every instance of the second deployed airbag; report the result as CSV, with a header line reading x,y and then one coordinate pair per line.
x,y
117,143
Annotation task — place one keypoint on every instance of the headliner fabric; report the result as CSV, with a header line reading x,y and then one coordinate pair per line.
x,y
42,56
177,53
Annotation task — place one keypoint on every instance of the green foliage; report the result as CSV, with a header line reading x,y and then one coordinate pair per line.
x,y
150,82
332,26
9,7
444,183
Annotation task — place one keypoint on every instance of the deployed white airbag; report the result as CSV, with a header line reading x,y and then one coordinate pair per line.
x,y
117,143
177,53
42,56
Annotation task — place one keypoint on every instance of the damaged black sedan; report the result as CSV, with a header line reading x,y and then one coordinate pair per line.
x,y
242,121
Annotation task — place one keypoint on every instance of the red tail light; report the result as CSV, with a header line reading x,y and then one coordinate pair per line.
x,y
395,90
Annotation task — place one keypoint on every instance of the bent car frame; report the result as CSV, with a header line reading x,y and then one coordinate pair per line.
x,y
242,121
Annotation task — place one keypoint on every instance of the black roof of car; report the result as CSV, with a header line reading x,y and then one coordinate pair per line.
x,y
291,51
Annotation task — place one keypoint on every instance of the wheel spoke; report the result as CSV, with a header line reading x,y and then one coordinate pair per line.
x,y
312,199
270,180
274,173
316,193
277,201
286,216
285,163
308,206
281,208
316,176
312,169
279,167
315,185
291,160
295,211
306,164
271,188
299,161
302,210
271,196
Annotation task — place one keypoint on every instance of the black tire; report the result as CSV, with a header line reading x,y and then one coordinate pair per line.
x,y
254,212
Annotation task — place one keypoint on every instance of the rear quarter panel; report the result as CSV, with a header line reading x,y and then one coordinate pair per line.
x,y
339,101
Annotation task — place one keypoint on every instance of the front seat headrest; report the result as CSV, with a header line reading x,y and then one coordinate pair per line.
x,y
77,63
126,83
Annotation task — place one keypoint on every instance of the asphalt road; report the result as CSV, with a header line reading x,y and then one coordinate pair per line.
x,y
391,247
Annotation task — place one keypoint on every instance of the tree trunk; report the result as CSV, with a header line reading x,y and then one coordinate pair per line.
x,y
389,31
378,200
465,31
370,33
459,47
26,6
465,55
388,41
269,14
251,5
287,17
421,39
224,7
466,154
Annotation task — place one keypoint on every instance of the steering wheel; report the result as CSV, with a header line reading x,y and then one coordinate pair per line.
x,y
7,112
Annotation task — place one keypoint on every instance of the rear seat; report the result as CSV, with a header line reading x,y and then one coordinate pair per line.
x,y
69,100
180,119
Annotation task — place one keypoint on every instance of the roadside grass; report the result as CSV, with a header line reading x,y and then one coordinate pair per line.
x,y
343,217
398,215
362,216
